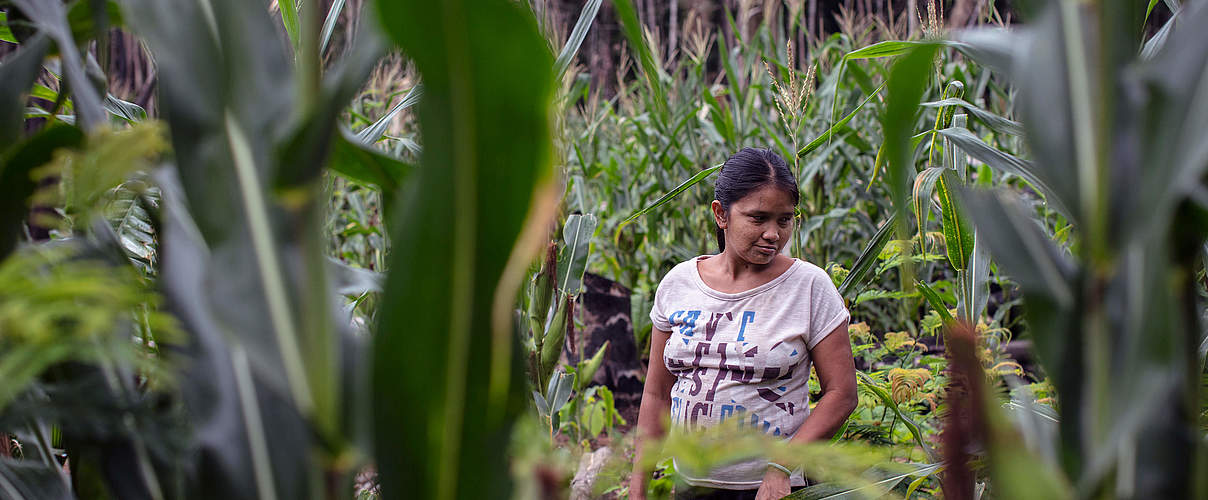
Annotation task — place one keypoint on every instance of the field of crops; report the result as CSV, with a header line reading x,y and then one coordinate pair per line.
x,y
409,249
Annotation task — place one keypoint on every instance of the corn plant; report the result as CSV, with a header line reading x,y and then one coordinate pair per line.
x,y
447,374
1116,320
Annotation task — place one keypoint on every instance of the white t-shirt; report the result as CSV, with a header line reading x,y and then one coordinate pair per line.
x,y
743,355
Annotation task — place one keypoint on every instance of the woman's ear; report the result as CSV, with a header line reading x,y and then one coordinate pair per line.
x,y
719,214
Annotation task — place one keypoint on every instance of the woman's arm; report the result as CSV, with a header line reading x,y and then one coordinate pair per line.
x,y
836,369
837,375
656,402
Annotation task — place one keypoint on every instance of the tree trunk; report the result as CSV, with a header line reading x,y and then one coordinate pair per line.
x,y
672,26
912,16
812,24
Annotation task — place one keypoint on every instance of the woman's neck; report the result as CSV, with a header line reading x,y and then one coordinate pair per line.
x,y
730,265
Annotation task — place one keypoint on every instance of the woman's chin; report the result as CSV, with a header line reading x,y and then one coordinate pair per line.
x,y
758,256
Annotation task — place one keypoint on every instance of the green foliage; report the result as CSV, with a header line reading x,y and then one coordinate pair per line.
x,y
268,177
455,266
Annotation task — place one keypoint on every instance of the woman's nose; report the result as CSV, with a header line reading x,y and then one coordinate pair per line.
x,y
771,235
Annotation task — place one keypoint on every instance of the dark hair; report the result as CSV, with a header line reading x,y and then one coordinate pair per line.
x,y
747,171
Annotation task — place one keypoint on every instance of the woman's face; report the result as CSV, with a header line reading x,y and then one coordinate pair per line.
x,y
759,225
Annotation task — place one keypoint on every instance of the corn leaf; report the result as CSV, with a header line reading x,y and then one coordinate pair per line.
x,y
868,258
826,136
485,122
368,166
17,75
958,231
671,195
586,17
924,187
1047,111
6,35
937,303
995,122
16,183
289,19
1006,163
887,400
555,336
371,134
576,239
23,479
588,370
908,79
329,24
249,154
51,19
880,483
631,27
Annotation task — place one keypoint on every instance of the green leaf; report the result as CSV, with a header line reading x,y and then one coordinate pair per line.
x,y
562,385
878,486
924,187
588,370
371,134
936,302
289,19
1036,61
868,295
586,17
826,136
354,280
887,400
1149,10
16,183
83,18
128,111
572,263
887,48
908,80
1158,40
594,417
868,258
24,479
1020,248
632,29
17,75
485,123
671,195
242,257
329,24
6,35
368,166
542,405
1003,162
958,231
555,335
51,19
995,122
1174,160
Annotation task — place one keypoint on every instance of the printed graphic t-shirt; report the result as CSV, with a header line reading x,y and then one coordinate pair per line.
x,y
743,355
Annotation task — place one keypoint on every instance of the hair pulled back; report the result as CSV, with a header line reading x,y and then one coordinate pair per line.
x,y
749,170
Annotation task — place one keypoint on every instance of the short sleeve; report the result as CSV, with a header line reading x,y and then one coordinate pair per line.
x,y
658,313
827,311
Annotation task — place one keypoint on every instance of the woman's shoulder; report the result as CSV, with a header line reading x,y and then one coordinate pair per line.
x,y
685,269
682,272
808,271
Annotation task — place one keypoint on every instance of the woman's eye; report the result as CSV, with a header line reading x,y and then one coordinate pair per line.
x,y
758,218
784,221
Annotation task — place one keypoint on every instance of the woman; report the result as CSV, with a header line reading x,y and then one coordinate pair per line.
x,y
735,333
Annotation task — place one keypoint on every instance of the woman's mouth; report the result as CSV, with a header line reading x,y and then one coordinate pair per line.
x,y
765,250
